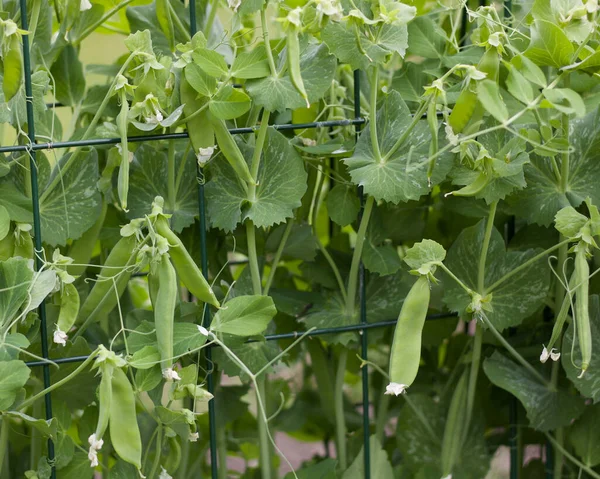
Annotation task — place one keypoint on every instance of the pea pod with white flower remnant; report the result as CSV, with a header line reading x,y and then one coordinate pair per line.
x,y
406,346
582,314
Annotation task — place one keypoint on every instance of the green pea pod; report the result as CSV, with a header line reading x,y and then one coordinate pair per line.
x,y
198,127
123,180
406,346
104,399
163,14
186,267
474,188
582,314
13,67
69,307
562,314
153,285
164,309
433,128
293,57
124,429
82,249
463,110
230,150
173,459
454,431
103,297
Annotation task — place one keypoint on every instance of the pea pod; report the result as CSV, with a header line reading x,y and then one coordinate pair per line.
x,y
455,429
562,314
124,429
186,267
13,66
103,297
104,399
293,57
433,128
582,314
123,180
82,249
406,346
475,187
164,309
230,150
69,307
173,459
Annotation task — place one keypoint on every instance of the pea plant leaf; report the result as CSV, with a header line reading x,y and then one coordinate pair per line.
x,y
68,77
149,179
380,464
251,65
281,184
544,197
244,316
549,45
403,176
14,375
229,103
278,93
513,300
546,409
423,255
342,204
15,281
583,435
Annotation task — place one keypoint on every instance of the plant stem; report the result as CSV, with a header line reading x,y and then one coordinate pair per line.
x,y
277,257
211,18
171,175
222,452
258,147
158,455
564,164
416,118
340,420
558,445
33,23
89,30
484,249
253,258
265,450
4,432
356,256
473,374
373,114
177,22
382,416
263,23
453,276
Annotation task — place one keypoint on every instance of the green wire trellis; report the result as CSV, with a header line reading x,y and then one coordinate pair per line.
x,y
362,327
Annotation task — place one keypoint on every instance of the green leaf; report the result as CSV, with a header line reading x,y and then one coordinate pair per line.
x,y
244,316
380,464
488,94
79,468
71,207
200,80
549,45
48,428
569,221
383,260
68,77
518,86
251,65
44,283
4,222
277,94
564,100
583,435
15,340
403,176
423,256
301,243
148,379
547,409
342,204
281,185
15,280
589,384
543,197
13,376
145,358
254,355
16,203
322,470
530,70
427,39
229,103
211,62
341,40
148,178
512,301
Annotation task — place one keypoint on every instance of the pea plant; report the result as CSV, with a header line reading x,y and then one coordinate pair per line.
x,y
367,226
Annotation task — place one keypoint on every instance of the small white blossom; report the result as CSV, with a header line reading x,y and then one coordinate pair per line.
x,y
308,142
203,330
60,337
552,354
164,474
294,17
545,355
84,5
170,374
396,389
494,39
555,356
474,74
450,135
95,446
234,4
193,437
204,155
331,8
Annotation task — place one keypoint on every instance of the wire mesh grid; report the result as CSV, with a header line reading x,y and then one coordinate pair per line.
x,y
362,327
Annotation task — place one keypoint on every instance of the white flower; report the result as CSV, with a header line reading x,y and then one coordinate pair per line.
x,y
84,5
95,446
450,135
396,389
555,356
474,74
60,337
204,155
234,4
193,437
552,354
203,330
308,141
170,374
294,17
164,474
331,8
494,39
545,355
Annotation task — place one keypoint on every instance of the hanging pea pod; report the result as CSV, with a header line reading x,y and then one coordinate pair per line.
x,y
455,429
69,308
293,57
123,180
433,128
230,150
104,404
186,267
124,430
475,187
406,346
13,66
173,459
582,314
560,319
164,308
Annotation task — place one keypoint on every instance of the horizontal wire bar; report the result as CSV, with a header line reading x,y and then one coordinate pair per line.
x,y
171,136
275,337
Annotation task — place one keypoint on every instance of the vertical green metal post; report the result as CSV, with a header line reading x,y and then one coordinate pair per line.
x,y
212,422
37,230
363,311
